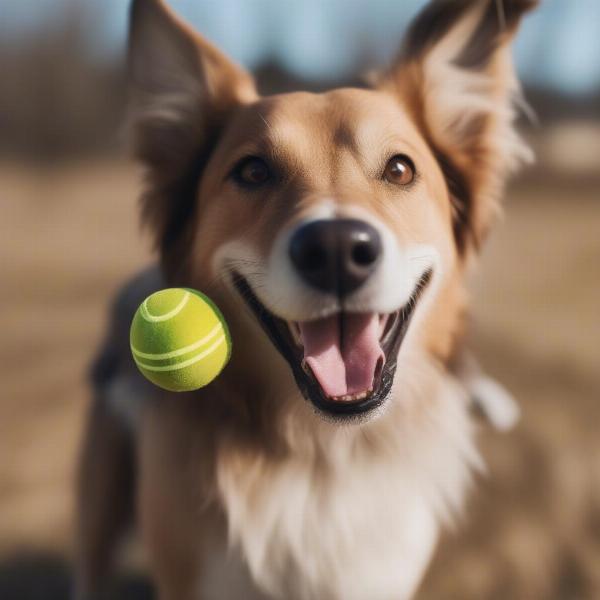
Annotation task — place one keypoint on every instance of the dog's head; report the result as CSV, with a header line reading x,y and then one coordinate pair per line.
x,y
343,221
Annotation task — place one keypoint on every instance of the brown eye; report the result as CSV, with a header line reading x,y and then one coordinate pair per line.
x,y
399,170
252,171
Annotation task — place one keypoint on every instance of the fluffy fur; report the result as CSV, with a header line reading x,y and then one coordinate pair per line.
x,y
242,489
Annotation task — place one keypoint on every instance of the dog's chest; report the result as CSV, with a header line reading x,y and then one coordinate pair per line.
x,y
362,528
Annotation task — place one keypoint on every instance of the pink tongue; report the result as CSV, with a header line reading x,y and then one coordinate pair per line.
x,y
343,352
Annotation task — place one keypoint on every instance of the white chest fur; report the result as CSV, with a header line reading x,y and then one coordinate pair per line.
x,y
353,514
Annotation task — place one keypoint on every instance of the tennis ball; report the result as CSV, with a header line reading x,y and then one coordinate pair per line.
x,y
179,339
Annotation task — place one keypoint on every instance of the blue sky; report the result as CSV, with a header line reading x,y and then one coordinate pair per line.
x,y
559,45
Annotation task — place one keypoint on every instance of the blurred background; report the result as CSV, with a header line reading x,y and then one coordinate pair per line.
x,y
69,236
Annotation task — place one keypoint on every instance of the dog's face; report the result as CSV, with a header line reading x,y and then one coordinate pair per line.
x,y
334,218
328,215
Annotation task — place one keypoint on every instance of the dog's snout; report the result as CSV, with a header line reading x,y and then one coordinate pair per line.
x,y
337,255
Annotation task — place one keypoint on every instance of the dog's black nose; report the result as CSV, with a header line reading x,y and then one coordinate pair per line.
x,y
336,255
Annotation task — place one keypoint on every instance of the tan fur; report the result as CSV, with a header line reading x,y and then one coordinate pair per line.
x,y
244,473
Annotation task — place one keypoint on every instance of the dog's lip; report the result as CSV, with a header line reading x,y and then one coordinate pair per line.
x,y
285,336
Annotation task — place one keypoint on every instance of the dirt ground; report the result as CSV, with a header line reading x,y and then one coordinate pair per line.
x,y
69,235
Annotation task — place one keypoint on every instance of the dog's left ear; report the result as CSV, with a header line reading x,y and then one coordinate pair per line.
x,y
455,75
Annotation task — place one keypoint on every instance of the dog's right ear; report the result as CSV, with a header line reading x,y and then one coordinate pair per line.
x,y
182,86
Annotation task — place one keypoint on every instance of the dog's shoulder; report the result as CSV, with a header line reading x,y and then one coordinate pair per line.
x,y
113,374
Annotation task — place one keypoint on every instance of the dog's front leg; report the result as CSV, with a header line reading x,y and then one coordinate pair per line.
x,y
173,519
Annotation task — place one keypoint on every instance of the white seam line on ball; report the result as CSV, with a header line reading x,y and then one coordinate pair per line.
x,y
153,319
185,363
214,331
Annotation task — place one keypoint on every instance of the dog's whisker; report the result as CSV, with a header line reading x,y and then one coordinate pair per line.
x,y
422,257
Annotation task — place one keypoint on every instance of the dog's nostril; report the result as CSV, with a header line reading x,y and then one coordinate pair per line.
x,y
364,254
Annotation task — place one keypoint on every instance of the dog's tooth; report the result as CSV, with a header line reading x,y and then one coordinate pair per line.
x,y
352,397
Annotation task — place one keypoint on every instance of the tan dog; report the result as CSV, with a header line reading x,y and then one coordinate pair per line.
x,y
334,231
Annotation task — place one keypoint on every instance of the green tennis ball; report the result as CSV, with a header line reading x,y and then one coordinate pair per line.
x,y
179,339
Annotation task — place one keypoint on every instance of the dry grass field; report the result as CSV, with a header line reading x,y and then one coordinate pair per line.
x,y
69,235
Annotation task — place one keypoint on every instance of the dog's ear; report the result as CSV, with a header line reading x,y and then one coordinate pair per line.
x,y
181,84
454,74
183,89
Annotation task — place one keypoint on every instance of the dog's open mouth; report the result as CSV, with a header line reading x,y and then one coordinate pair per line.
x,y
344,363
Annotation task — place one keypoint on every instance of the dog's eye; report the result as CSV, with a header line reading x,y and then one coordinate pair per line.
x,y
252,171
399,170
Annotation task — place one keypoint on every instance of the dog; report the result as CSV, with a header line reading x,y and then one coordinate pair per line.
x,y
335,232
